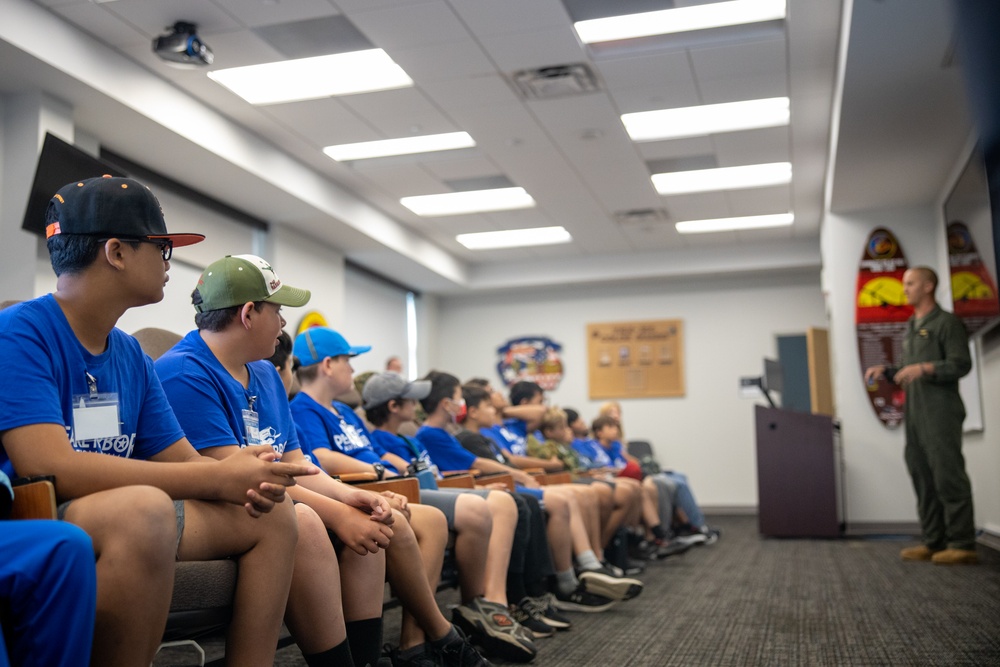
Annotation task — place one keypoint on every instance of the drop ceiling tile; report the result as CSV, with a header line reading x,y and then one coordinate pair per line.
x,y
661,70
449,60
752,146
105,26
448,168
399,113
154,17
324,122
760,201
410,26
351,6
255,13
399,180
739,60
675,148
629,100
529,50
499,18
452,225
239,48
749,87
470,93
700,206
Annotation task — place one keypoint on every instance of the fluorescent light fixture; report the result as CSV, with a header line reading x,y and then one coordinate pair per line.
x,y
735,224
514,238
682,19
474,201
707,119
427,143
312,78
724,178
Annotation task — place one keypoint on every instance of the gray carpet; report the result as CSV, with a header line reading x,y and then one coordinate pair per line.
x,y
750,601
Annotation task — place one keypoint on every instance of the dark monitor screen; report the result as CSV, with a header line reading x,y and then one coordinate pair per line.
x,y
774,375
58,164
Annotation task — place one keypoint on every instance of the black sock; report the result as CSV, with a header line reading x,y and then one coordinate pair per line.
x,y
452,636
537,588
338,655
515,586
659,532
365,638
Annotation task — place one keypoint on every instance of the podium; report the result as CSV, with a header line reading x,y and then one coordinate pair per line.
x,y
798,474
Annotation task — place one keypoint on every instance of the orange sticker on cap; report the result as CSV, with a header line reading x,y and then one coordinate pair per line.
x,y
52,229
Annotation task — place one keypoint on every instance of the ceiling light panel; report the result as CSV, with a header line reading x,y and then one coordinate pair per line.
x,y
724,178
427,143
707,119
475,201
735,224
515,238
312,78
682,19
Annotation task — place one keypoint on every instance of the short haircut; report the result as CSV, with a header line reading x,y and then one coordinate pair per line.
x,y
523,391
379,414
442,386
571,415
929,275
307,374
282,350
482,383
360,379
553,418
72,253
602,422
217,320
474,396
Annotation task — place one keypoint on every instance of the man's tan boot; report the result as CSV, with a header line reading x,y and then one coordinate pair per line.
x,y
923,552
955,557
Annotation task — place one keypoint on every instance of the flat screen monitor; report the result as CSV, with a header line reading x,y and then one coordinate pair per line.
x,y
773,380
58,164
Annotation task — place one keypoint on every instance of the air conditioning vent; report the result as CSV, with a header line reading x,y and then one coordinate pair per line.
x,y
556,81
642,216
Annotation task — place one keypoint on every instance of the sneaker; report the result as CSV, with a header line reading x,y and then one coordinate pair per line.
x,y
614,570
603,582
671,548
490,626
424,658
459,654
529,616
642,550
712,535
955,557
634,567
581,600
550,615
692,540
922,552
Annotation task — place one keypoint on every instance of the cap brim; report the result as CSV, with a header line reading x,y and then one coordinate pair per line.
x,y
418,389
358,349
180,240
290,296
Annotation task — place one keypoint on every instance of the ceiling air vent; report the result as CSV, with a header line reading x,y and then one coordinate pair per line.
x,y
556,81
642,216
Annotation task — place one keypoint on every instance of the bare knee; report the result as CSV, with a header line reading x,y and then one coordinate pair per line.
x,y
138,520
312,535
428,520
472,515
556,506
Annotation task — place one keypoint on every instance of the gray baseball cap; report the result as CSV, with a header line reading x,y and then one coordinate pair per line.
x,y
383,387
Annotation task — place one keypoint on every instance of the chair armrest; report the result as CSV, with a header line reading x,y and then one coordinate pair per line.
x,y
457,482
34,500
502,478
556,478
355,477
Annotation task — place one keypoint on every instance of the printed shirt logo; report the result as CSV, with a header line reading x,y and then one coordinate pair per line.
x,y
119,445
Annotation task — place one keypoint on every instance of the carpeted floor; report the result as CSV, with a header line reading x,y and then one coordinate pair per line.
x,y
751,601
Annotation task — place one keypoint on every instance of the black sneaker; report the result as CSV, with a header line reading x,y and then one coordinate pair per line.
x,y
459,653
490,626
667,549
530,617
634,567
642,550
424,658
603,582
550,615
581,600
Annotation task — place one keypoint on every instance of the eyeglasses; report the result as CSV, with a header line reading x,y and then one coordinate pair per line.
x,y
166,246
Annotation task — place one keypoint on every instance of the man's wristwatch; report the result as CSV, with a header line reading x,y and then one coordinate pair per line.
x,y
379,470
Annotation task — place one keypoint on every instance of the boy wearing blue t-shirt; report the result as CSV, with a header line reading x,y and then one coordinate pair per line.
x,y
75,386
334,435
230,400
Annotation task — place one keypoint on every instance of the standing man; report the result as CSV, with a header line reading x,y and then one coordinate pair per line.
x,y
935,356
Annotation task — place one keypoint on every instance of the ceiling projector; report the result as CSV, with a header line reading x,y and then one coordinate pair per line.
x,y
183,47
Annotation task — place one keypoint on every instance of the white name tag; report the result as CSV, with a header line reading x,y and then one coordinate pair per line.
x,y
95,416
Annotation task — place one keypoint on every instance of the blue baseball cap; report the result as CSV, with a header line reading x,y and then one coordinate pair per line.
x,y
317,343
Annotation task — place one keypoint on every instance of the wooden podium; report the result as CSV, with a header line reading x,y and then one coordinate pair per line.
x,y
798,474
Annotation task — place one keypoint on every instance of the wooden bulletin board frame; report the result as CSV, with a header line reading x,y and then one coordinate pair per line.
x,y
636,359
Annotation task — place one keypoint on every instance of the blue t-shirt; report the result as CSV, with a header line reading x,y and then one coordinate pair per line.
x,y
616,454
319,428
404,447
592,455
211,404
446,451
508,437
44,367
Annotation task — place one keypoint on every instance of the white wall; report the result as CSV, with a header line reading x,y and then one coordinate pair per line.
x,y
376,317
729,326
303,262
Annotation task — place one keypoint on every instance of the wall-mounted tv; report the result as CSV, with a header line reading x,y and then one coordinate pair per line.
x,y
58,164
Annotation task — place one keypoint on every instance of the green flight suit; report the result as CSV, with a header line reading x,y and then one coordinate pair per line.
x,y
934,414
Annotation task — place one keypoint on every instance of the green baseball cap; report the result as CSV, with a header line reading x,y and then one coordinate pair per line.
x,y
236,279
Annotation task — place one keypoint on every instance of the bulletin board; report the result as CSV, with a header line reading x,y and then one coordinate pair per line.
x,y
636,359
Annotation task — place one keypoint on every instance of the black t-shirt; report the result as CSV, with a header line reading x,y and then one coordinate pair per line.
x,y
481,446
